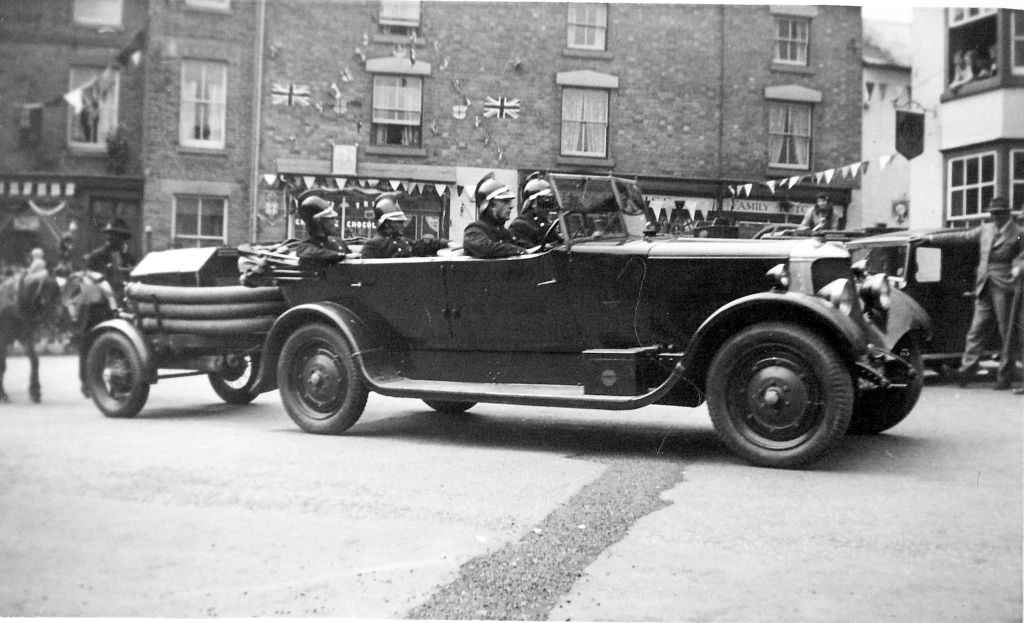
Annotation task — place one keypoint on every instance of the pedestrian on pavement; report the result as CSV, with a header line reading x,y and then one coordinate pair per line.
x,y
1001,248
822,216
528,229
1017,314
37,261
487,237
390,240
319,250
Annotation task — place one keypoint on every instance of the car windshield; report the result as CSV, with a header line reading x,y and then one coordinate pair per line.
x,y
889,260
597,207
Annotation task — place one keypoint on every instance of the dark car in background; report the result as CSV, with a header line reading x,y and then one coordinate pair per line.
x,y
941,279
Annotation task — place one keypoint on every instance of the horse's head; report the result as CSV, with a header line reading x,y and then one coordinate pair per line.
x,y
80,291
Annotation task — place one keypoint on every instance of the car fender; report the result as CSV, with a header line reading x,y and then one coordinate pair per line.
x,y
130,331
356,331
905,315
839,330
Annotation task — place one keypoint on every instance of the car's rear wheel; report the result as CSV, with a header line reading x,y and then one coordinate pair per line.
x,y
321,387
114,376
452,407
779,396
878,410
234,384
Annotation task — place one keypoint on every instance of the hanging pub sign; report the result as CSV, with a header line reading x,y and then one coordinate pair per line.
x,y
909,133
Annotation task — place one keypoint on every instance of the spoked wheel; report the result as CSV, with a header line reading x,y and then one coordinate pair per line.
x,y
878,410
234,384
321,388
114,376
451,407
779,396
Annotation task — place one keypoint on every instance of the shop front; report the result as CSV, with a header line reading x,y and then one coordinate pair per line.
x,y
64,215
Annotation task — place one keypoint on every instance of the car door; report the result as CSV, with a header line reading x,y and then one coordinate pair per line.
x,y
510,304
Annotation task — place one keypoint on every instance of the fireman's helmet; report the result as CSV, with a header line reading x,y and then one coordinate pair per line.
x,y
386,208
489,189
314,208
535,189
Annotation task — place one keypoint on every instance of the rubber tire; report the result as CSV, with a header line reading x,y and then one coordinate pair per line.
x,y
876,411
128,403
451,407
340,410
806,364
237,395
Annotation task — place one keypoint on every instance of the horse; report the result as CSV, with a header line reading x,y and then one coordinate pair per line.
x,y
88,299
27,301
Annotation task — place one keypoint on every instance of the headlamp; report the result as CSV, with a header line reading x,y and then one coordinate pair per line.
x,y
875,290
839,294
779,276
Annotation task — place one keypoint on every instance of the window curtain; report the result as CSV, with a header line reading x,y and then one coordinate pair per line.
x,y
789,133
585,119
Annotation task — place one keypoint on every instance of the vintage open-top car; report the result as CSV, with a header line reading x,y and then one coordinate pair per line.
x,y
789,348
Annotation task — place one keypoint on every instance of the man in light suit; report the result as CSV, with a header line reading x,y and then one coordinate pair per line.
x,y
1001,248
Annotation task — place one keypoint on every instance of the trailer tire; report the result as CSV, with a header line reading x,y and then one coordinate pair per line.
x,y
321,387
235,384
114,376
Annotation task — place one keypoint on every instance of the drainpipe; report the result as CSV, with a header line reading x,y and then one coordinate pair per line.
x,y
721,102
261,14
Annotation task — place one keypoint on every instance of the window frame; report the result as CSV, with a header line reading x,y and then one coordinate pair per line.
x,y
395,17
809,137
379,125
199,238
83,15
209,5
1016,184
1016,42
778,41
981,200
563,121
599,26
958,16
185,134
112,117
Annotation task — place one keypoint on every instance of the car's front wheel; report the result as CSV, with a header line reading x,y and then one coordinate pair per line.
x,y
114,376
779,396
878,410
321,388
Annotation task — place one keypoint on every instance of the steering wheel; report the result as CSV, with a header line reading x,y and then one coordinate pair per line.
x,y
552,235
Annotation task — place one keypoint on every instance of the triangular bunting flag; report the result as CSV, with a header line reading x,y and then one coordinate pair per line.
x,y
732,191
871,89
395,184
883,161
439,189
828,175
269,179
771,186
372,182
793,181
341,182
747,188
459,189
310,180
69,189
864,167
881,91
817,177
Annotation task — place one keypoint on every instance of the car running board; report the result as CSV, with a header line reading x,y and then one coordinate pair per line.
x,y
541,395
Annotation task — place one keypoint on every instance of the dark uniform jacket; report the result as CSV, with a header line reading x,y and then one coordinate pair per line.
x,y
815,217
318,253
487,239
113,263
999,252
528,229
382,246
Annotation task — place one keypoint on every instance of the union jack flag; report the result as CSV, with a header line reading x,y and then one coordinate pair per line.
x,y
501,107
290,94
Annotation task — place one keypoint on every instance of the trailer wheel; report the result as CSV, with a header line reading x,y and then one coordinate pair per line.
x,y
114,376
878,410
452,407
321,388
779,396
234,384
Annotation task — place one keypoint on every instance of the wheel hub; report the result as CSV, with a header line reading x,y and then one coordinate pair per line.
x,y
320,381
776,398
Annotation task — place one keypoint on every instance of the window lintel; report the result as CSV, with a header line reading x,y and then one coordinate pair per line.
x,y
397,65
794,10
587,78
793,93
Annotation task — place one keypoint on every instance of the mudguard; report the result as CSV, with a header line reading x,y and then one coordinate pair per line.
x,y
127,329
355,330
903,316
838,330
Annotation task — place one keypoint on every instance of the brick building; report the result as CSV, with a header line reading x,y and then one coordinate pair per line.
x,y
239,105
58,173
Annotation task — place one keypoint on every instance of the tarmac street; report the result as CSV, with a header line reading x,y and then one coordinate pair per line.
x,y
197,508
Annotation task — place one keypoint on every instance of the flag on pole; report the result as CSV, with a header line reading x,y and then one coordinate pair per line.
x,y
501,107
